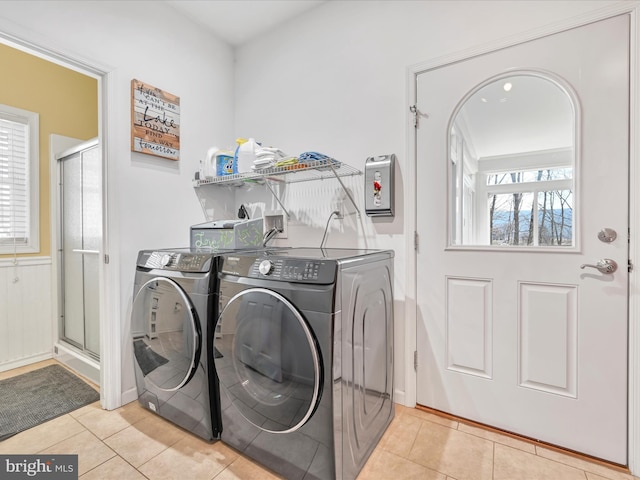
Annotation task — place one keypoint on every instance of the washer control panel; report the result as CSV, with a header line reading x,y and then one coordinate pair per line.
x,y
177,261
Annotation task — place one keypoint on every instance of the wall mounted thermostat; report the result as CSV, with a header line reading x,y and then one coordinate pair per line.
x,y
379,188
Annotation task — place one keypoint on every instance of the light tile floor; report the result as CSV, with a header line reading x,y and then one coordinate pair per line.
x,y
132,443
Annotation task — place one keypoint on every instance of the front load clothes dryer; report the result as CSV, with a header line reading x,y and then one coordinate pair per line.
x,y
174,307
305,363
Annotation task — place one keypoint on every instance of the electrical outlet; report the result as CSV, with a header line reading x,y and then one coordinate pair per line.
x,y
276,220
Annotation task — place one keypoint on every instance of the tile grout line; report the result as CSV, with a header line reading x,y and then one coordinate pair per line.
x,y
115,454
118,455
84,429
493,460
165,449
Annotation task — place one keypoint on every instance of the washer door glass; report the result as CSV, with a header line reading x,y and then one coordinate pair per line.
x,y
166,337
267,360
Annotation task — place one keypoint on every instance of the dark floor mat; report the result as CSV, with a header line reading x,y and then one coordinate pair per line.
x,y
32,398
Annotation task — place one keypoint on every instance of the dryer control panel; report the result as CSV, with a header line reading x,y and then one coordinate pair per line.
x,y
297,270
292,270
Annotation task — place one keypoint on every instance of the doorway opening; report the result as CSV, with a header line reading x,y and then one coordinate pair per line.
x,y
82,356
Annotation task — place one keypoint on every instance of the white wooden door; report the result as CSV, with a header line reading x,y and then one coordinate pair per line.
x,y
520,337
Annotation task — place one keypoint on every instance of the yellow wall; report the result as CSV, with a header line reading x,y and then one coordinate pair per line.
x,y
67,102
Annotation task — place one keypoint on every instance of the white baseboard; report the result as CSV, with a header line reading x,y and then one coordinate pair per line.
x,y
25,361
129,396
400,397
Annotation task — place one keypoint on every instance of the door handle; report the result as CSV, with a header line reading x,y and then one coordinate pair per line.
x,y
78,250
604,265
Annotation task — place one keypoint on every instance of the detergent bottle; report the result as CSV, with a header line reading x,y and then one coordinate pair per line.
x,y
225,164
245,154
220,162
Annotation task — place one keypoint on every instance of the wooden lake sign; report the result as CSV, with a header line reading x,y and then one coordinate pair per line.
x,y
155,121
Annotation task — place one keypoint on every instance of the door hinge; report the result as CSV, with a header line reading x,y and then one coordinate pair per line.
x,y
106,258
414,109
415,360
416,241
629,266
416,115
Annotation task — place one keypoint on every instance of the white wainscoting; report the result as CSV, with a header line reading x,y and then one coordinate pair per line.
x,y
26,323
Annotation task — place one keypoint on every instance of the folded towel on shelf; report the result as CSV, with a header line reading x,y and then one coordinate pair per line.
x,y
276,152
287,162
260,164
268,157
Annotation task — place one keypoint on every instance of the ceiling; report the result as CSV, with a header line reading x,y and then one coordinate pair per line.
x,y
239,21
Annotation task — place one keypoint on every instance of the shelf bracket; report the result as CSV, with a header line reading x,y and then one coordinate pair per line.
x,y
277,199
347,193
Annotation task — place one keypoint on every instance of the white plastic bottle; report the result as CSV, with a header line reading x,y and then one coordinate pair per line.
x,y
210,163
246,154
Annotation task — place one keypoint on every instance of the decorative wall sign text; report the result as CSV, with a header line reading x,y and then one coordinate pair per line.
x,y
155,121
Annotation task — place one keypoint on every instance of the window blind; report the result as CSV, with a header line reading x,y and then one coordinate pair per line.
x,y
14,181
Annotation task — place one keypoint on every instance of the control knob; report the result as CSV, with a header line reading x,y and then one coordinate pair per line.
x,y
165,259
266,267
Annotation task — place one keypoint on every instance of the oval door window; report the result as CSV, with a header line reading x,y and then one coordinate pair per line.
x,y
166,337
267,360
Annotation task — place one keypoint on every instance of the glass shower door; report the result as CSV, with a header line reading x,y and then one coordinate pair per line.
x,y
81,229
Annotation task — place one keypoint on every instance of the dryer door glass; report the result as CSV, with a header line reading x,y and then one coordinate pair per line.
x,y
267,360
166,337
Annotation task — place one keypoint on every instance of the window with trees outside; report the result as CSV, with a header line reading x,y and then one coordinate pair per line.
x,y
535,208
512,160
19,158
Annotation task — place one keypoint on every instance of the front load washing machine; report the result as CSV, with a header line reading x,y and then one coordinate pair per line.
x,y
174,309
305,364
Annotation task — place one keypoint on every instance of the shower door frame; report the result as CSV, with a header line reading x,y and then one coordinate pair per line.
x,y
81,347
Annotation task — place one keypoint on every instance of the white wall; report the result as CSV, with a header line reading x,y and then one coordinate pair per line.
x,y
152,201
335,80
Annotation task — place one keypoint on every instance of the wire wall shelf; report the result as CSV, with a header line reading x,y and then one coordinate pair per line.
x,y
300,172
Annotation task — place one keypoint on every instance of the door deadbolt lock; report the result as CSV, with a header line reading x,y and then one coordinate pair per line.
x,y
607,235
604,265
